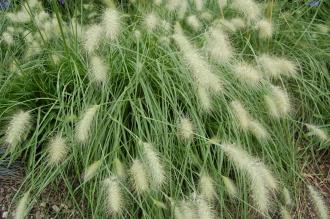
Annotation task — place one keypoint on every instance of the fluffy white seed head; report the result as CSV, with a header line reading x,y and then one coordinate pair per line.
x,y
188,210
18,129
158,2
199,4
319,203
152,160
206,186
206,16
204,209
21,208
324,29
230,187
57,149
222,3
278,102
204,98
249,8
285,214
258,130
173,5
287,197
230,25
114,196
261,185
198,67
21,16
186,129
139,177
91,170
218,46
193,22
41,18
92,37
274,66
247,73
265,29
151,22
238,23
241,115
111,23
84,126
7,38
119,168
98,71
318,132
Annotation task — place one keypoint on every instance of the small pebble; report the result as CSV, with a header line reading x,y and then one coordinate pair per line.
x,y
56,208
5,214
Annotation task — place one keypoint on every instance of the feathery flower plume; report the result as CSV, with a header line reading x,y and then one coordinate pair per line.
x,y
193,22
199,4
41,18
265,28
119,169
242,116
98,70
218,46
247,74
230,26
285,214
84,126
238,23
180,6
316,131
204,98
57,149
111,23
115,200
166,26
158,2
187,210
92,37
287,197
156,168
91,170
249,8
139,177
151,21
255,170
275,66
18,128
230,186
258,130
173,5
11,29
222,3
199,68
19,17
206,16
318,202
278,102
186,129
21,208
204,210
206,186
7,38
137,34
178,213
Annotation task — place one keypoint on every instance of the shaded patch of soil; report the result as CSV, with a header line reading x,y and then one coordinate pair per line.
x,y
317,175
49,205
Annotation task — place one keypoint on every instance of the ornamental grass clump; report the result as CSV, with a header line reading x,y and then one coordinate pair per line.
x,y
124,109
